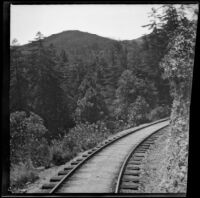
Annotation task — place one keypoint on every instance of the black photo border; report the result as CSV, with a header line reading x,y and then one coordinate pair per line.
x,y
192,189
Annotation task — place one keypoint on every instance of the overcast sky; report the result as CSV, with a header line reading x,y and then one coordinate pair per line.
x,y
114,21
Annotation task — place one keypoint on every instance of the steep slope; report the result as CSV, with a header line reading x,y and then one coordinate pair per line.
x,y
77,39
76,42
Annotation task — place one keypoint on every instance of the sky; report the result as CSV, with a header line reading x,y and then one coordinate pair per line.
x,y
121,22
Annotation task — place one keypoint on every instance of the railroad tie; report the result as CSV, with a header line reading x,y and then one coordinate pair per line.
x,y
141,150
146,144
153,138
133,162
131,178
139,154
149,142
64,172
131,172
133,167
79,159
94,149
68,168
128,191
137,158
48,186
56,178
128,185
74,163
144,147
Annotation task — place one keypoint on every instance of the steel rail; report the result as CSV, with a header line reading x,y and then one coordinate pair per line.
x,y
97,149
123,167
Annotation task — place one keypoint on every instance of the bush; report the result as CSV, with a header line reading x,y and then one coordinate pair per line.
x,y
158,113
58,153
111,125
57,157
41,155
80,138
137,112
26,133
22,173
85,136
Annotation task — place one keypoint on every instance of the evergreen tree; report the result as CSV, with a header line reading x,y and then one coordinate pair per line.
x,y
47,95
18,81
177,64
91,105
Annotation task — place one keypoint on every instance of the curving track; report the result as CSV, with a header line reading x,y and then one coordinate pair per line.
x,y
129,177
97,171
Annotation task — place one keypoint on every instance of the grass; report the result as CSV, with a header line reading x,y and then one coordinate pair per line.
x,y
21,174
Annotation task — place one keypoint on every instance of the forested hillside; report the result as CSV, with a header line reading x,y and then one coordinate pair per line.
x,y
79,77
71,90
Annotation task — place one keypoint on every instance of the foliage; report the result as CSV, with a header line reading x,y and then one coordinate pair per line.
x,y
85,136
71,90
22,173
68,85
138,111
179,70
59,155
158,112
91,106
44,79
18,82
41,154
78,139
26,132
177,65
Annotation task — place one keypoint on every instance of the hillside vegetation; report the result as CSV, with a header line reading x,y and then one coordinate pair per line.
x,y
71,90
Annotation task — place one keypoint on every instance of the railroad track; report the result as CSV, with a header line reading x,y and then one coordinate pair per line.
x,y
96,170
129,177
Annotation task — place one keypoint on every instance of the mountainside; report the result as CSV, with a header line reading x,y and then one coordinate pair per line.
x,y
76,42
83,86
95,78
76,39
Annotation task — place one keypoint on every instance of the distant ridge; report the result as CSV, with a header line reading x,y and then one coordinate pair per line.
x,y
78,42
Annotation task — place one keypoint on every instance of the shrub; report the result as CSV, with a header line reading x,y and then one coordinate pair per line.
x,y
80,138
59,154
26,133
111,125
57,157
56,152
137,111
41,156
158,113
22,173
85,136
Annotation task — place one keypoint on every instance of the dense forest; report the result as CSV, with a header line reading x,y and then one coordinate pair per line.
x,y
71,90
